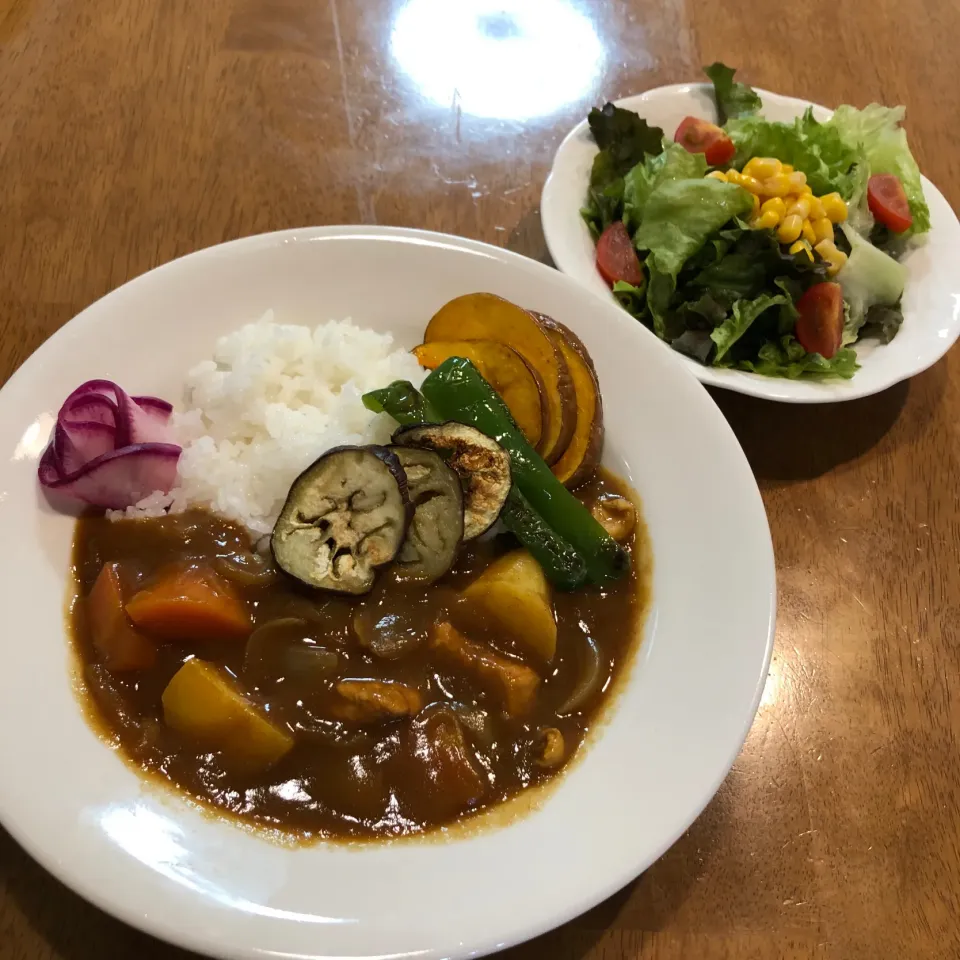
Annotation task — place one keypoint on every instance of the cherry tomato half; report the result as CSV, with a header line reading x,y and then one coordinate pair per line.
x,y
820,324
616,258
701,136
888,202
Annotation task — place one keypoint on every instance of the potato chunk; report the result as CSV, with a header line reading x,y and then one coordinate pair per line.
x,y
514,593
515,682
375,701
202,702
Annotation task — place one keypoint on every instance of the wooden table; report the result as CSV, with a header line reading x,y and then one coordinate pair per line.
x,y
132,132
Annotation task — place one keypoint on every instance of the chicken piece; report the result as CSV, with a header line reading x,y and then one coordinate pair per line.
x,y
516,683
447,764
617,515
375,701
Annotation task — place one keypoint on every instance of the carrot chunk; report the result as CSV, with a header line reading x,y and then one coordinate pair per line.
x,y
120,645
190,603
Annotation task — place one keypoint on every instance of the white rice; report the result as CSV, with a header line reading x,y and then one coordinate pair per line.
x,y
273,399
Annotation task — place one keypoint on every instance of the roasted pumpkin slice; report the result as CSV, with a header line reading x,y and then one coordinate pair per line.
x,y
504,369
582,455
484,316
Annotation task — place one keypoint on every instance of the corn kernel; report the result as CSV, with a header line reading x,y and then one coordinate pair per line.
x,y
776,186
766,221
835,266
741,180
816,207
834,208
789,229
798,182
807,232
798,208
762,167
835,259
776,206
717,175
786,168
801,245
822,228
756,205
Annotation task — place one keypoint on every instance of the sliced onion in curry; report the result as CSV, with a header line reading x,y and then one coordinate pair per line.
x,y
481,463
589,681
332,733
386,634
476,721
248,569
283,649
345,516
303,608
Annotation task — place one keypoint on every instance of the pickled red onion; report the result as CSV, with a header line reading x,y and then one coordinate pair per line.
x,y
110,449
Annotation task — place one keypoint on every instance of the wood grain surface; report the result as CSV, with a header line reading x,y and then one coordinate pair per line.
x,y
133,132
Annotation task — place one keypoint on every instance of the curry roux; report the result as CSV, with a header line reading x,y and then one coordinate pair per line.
x,y
343,781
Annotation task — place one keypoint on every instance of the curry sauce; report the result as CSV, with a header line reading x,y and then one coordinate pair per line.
x,y
408,708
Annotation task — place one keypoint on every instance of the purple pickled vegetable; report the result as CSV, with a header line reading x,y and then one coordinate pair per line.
x,y
110,449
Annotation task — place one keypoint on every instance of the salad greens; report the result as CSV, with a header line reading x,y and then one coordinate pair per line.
x,y
624,140
813,147
674,163
877,131
717,288
679,217
870,278
733,99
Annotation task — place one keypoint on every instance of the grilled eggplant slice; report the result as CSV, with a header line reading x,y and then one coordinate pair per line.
x,y
436,530
482,465
346,515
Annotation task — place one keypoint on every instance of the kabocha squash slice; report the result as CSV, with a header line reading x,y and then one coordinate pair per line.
x,y
504,369
580,459
484,316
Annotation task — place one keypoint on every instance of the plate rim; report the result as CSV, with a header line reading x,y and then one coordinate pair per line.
x,y
553,204
103,898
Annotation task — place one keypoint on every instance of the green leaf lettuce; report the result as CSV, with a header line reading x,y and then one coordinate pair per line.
x,y
734,99
876,129
678,218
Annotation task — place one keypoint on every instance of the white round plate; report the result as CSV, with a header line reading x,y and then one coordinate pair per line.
x,y
148,857
931,300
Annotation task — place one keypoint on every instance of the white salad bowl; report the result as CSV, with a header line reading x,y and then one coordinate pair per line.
x,y
931,299
149,857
